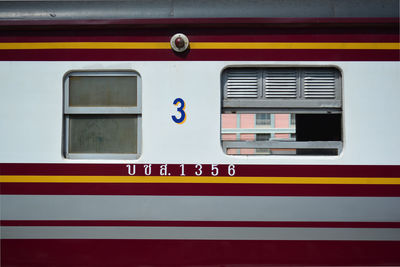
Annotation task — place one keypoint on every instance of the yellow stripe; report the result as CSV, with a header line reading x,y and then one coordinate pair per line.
x,y
197,179
197,45
86,45
373,46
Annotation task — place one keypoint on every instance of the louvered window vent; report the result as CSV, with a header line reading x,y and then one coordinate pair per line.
x,y
280,84
319,84
242,84
282,87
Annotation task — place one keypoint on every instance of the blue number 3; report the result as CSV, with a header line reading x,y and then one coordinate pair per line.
x,y
181,110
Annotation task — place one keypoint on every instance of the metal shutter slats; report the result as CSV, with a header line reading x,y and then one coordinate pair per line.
x,y
282,88
319,84
280,84
242,84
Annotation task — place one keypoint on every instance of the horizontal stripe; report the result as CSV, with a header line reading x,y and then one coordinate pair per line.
x,y
300,43
214,22
203,224
71,169
195,179
222,35
197,45
89,252
369,46
85,45
199,55
173,189
200,208
199,233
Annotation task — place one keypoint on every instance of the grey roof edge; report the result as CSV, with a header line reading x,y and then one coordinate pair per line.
x,y
170,9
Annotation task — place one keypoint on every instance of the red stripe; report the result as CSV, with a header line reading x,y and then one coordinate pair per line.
x,y
203,224
210,22
244,33
199,55
200,189
190,169
197,252
346,35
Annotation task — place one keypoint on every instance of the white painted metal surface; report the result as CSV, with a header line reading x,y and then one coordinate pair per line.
x,y
31,112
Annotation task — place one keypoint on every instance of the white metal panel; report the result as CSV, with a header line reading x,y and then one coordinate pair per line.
x,y
200,208
199,233
31,114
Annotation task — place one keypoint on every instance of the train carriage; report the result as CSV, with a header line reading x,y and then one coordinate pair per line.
x,y
191,133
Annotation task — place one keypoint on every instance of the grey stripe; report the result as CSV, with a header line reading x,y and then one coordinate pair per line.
x,y
144,9
213,208
210,233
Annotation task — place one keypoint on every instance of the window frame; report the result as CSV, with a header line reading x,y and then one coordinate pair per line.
x,y
268,119
299,105
69,111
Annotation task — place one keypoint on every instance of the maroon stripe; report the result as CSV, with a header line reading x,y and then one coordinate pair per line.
x,y
199,55
74,252
371,34
200,189
203,224
190,169
319,21
225,37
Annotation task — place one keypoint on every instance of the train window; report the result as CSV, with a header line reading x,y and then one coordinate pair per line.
x,y
281,111
102,115
102,91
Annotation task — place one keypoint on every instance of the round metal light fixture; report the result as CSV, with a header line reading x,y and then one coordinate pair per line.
x,y
179,42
